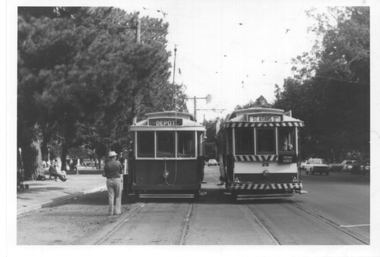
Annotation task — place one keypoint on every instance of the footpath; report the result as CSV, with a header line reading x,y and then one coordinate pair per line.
x,y
45,193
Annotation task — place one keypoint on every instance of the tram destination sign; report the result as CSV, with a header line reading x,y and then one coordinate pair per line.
x,y
287,158
165,122
264,118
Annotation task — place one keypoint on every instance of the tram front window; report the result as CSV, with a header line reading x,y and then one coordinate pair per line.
x,y
186,144
165,144
244,141
266,141
145,144
286,139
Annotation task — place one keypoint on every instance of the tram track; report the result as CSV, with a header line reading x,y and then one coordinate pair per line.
x,y
263,218
106,236
117,225
318,216
185,225
310,212
261,222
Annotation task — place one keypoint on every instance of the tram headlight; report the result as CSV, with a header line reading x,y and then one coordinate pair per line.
x,y
266,173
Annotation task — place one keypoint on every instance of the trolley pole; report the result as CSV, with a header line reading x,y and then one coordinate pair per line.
x,y
175,55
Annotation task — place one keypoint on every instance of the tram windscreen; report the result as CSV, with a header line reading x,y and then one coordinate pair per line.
x,y
165,144
244,141
145,144
286,139
186,144
266,141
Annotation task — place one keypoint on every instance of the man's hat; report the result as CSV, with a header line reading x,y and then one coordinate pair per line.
x,y
112,153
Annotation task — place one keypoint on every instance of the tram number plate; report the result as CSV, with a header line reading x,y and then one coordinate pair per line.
x,y
287,159
165,122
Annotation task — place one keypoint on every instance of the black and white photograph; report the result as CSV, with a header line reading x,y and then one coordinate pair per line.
x,y
191,128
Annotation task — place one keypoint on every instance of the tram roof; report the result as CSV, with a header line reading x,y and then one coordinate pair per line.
x,y
248,118
170,114
252,110
167,121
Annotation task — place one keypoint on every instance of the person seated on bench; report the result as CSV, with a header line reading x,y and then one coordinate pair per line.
x,y
55,172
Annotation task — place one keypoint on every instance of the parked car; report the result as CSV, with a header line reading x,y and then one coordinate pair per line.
x,y
339,166
317,165
365,167
359,167
212,162
350,165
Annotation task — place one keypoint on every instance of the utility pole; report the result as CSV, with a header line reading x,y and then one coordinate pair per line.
x,y
135,26
208,100
175,55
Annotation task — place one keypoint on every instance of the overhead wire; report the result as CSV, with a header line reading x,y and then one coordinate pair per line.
x,y
262,61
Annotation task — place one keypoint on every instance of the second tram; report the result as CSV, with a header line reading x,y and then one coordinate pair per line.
x,y
258,153
167,158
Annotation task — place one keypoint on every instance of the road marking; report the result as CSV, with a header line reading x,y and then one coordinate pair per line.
x,y
358,225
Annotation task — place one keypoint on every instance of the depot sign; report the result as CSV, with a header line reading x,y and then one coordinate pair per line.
x,y
165,122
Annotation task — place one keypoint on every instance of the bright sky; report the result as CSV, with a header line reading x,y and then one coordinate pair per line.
x,y
233,50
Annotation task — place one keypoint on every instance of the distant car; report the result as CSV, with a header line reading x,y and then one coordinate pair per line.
x,y
302,165
212,162
359,167
350,166
317,165
365,167
339,166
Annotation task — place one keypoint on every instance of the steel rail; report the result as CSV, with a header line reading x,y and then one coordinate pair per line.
x,y
330,222
262,224
117,225
185,225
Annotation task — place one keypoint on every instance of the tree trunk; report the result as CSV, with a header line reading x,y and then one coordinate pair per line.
x,y
32,160
64,155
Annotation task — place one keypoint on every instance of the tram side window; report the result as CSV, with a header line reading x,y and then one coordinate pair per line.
x,y
286,139
244,141
145,144
266,141
165,144
186,144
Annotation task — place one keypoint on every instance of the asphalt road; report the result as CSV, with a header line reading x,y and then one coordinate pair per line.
x,y
334,212
343,198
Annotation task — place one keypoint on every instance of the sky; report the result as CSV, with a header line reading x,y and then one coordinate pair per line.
x,y
235,51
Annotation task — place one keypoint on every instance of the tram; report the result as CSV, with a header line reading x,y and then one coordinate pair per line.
x,y
168,156
258,152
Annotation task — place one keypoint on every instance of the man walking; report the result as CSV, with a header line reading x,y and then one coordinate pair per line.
x,y
112,171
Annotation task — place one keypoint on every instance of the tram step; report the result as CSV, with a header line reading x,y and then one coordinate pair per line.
x,y
166,195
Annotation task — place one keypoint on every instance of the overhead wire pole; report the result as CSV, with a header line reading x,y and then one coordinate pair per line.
x,y
136,28
175,55
208,99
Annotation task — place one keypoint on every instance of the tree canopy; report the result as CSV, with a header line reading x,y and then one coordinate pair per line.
x,y
260,102
330,89
82,77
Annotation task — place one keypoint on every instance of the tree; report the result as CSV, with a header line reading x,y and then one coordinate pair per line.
x,y
82,79
210,142
330,88
260,102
